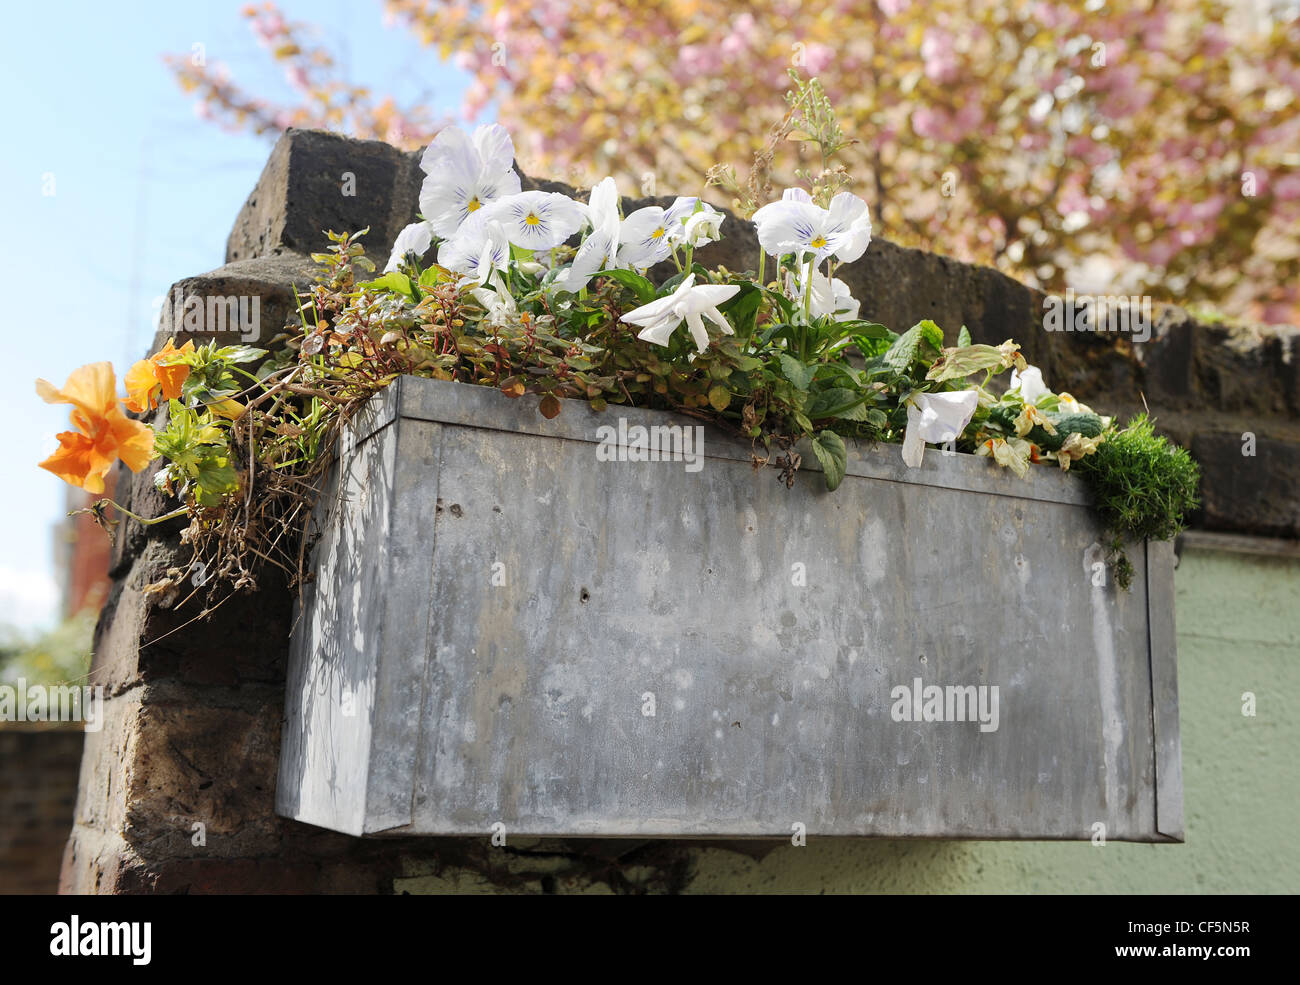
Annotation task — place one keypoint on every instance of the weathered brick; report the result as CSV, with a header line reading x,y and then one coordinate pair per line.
x,y
1259,493
192,732
39,766
269,279
301,194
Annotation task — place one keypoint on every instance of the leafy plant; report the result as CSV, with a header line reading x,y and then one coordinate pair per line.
x,y
60,655
1143,486
786,363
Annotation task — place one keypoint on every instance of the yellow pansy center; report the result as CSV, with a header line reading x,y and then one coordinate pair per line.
x,y
474,205
658,233
532,220
818,243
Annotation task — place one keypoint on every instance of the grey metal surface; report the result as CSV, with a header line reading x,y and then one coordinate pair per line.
x,y
500,605
1164,690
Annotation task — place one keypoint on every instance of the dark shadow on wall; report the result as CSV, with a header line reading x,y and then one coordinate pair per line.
x,y
670,866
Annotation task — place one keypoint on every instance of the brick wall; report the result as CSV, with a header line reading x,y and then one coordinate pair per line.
x,y
38,790
194,708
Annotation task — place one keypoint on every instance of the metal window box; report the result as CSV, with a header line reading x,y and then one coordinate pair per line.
x,y
495,612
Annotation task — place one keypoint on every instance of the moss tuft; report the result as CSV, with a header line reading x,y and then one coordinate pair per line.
x,y
1144,486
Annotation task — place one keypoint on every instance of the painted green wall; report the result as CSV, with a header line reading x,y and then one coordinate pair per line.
x,y
1238,630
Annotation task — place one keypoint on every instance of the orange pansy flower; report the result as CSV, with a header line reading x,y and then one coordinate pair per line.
x,y
104,434
160,369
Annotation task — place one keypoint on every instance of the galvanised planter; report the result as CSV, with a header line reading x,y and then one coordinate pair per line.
x,y
509,632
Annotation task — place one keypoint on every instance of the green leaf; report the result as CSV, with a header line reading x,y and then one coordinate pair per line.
x,y
855,412
839,374
1088,425
188,437
829,402
394,281
434,275
867,329
960,363
833,456
931,332
904,351
871,348
239,353
216,477
908,347
634,282
671,284
963,336
783,303
1003,417
719,397
743,309
795,371
775,330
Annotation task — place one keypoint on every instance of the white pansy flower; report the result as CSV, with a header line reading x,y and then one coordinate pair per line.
x,y
600,249
415,238
537,220
463,174
659,319
829,297
479,247
848,208
703,227
1030,383
650,234
677,215
643,238
796,225
937,418
498,304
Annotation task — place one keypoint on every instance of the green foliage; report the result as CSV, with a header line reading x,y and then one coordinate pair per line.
x,y
812,120
795,371
641,288
833,456
921,344
1087,424
246,442
198,456
961,361
1143,485
57,656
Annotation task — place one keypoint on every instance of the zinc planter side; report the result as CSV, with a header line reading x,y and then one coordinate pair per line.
x,y
506,628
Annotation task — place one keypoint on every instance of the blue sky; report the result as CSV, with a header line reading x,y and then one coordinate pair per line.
x,y
144,194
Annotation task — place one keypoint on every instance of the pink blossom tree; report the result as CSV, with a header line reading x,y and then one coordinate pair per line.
x,y
1151,146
